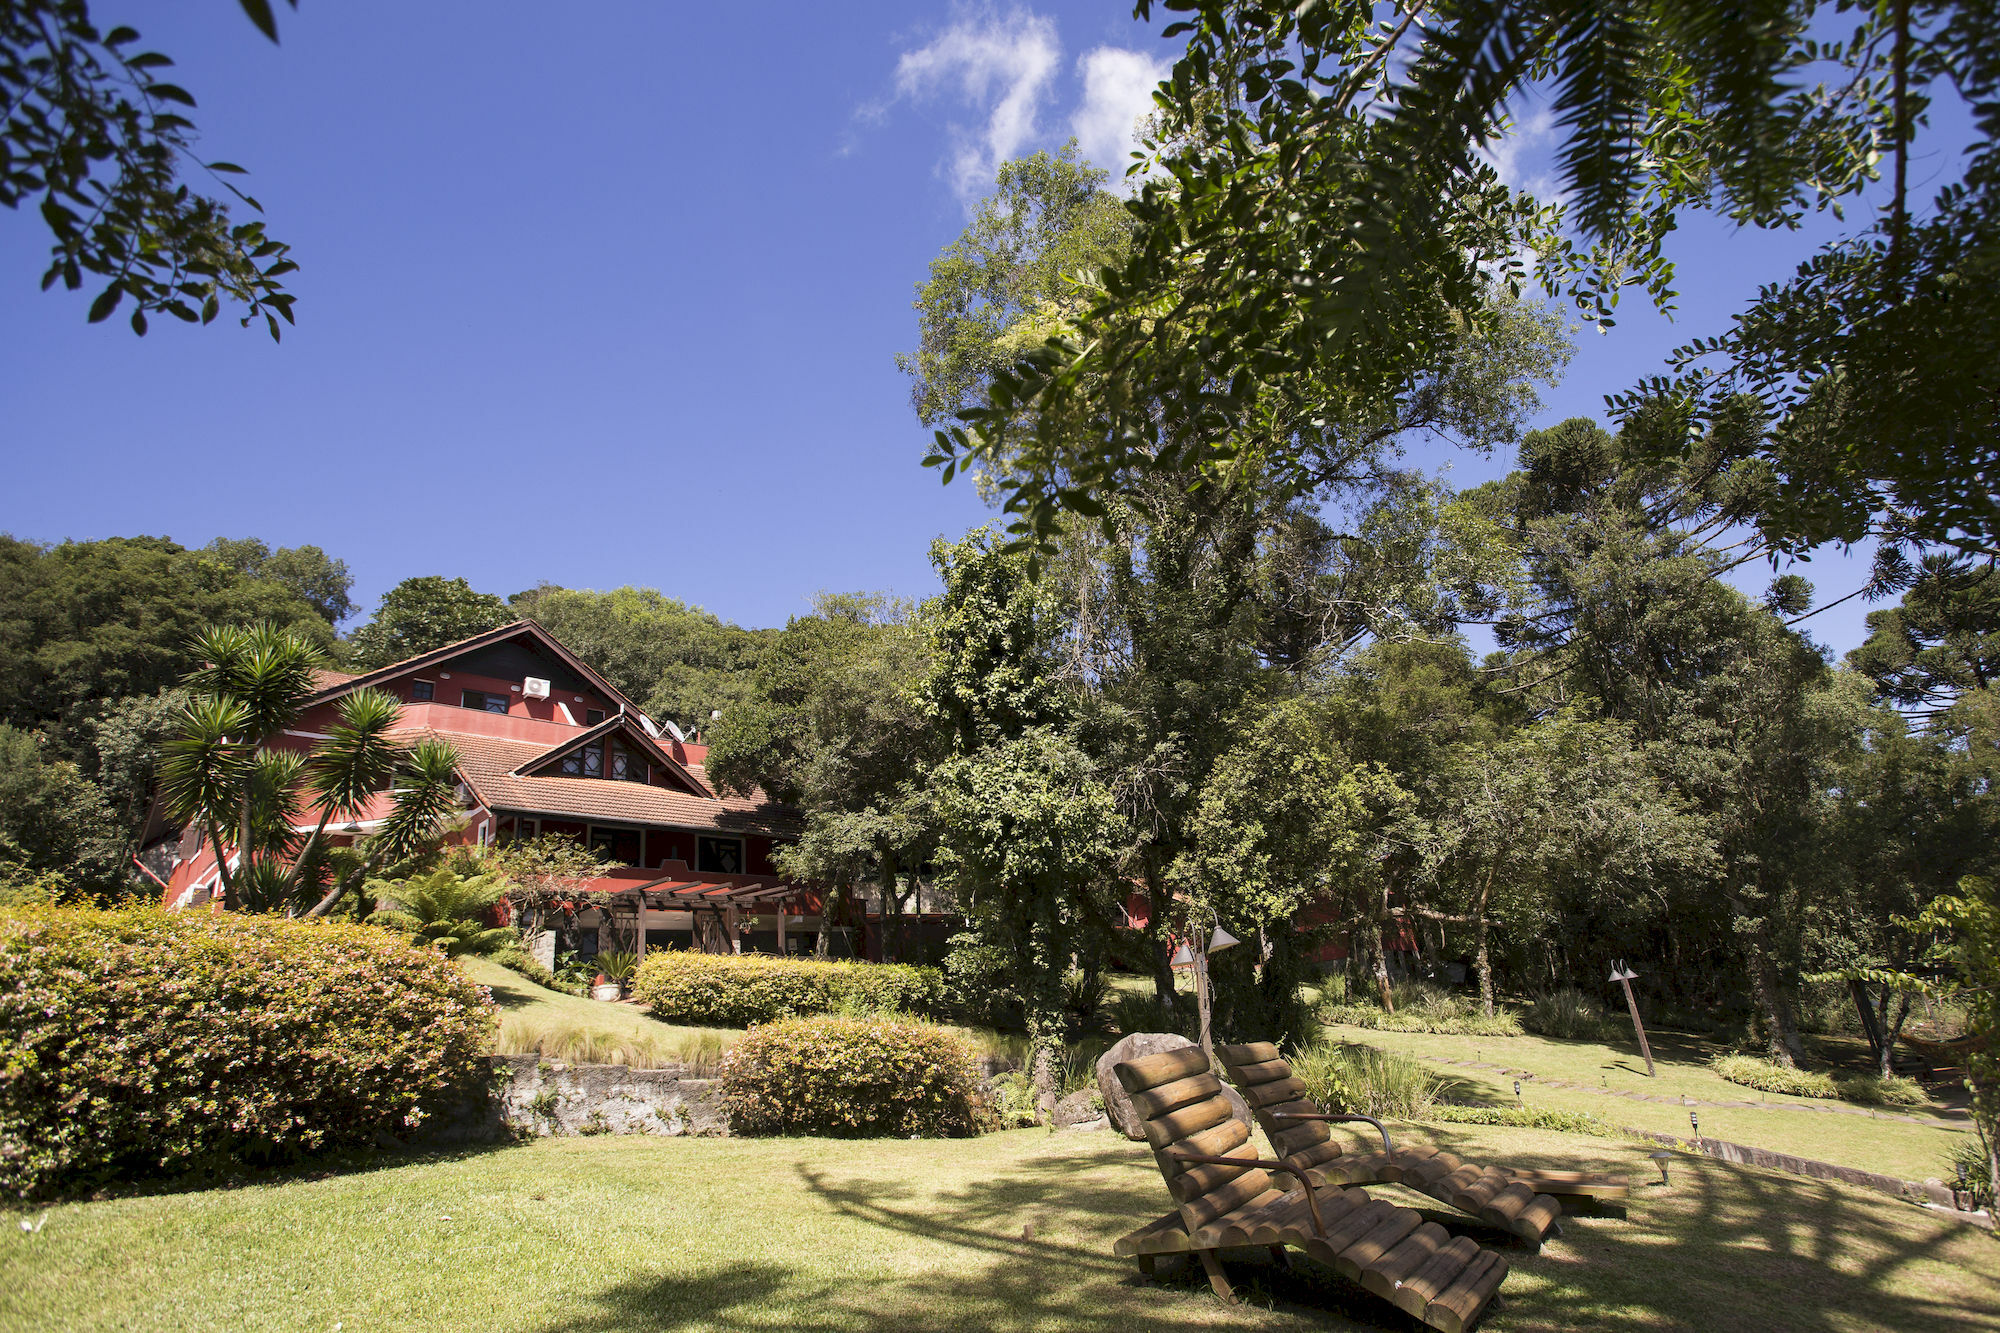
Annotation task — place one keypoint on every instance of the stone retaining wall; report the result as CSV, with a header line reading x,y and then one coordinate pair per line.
x,y
536,1097
1928,1191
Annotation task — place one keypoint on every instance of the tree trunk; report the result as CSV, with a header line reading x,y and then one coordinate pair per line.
x,y
1781,1033
1870,1029
892,911
1381,965
1156,938
829,907
1480,958
1893,1031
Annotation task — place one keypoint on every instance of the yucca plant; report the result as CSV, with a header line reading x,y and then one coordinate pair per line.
x,y
221,774
617,965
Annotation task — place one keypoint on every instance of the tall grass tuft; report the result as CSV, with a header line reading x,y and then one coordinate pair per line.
x,y
1570,1015
1362,1080
1424,1007
700,1050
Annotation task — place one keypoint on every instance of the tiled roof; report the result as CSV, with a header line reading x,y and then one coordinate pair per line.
x,y
488,762
326,680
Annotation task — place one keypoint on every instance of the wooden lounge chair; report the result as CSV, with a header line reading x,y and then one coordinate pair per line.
x,y
1228,1200
1527,1203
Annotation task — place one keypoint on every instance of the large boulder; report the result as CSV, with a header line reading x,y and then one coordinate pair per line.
x,y
1118,1106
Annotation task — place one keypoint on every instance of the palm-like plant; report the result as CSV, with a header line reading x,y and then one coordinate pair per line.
x,y
441,910
249,799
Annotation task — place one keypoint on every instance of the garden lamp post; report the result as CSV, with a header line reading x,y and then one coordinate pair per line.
x,y
1623,976
1186,954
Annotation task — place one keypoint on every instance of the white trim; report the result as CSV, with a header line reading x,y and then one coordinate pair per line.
x,y
568,716
331,827
310,735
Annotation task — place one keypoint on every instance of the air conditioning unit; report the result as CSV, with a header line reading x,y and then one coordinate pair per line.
x,y
534,687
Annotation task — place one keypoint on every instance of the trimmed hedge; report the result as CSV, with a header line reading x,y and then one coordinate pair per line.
x,y
137,1042
852,1078
736,990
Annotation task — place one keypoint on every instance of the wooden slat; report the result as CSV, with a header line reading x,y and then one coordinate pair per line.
x,y
1163,1235
1507,1205
1269,1071
1172,1096
1165,1129
1411,1253
1414,1293
1420,1174
1370,1168
1386,1236
1301,1135
1533,1222
1191,1182
1256,1052
1575,1184
1459,1304
1150,1071
1476,1195
1218,1142
1315,1153
1272,1094
1358,1221
1447,1187
1262,1221
1225,1199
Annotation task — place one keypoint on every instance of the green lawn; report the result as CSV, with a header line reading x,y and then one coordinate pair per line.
x,y
1008,1232
1873,1143
570,1027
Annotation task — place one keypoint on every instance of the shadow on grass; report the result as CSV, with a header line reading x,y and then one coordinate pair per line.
x,y
1724,1248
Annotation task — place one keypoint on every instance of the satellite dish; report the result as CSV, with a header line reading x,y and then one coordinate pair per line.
x,y
1183,956
1221,940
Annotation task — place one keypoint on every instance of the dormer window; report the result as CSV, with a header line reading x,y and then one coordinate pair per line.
x,y
585,762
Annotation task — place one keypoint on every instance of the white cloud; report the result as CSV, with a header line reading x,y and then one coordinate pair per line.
x,y
1527,138
1117,91
998,65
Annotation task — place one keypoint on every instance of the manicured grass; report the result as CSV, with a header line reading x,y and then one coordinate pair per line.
x,y
570,1027
1873,1143
1008,1232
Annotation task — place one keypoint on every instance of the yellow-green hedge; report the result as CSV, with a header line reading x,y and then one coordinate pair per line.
x,y
852,1078
138,1042
736,990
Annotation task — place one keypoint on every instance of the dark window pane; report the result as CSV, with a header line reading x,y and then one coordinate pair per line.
x,y
722,856
592,716
593,761
496,703
621,763
473,699
421,691
572,765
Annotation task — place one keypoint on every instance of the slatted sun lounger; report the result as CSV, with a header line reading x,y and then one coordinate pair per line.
x,y
1228,1200
1524,1202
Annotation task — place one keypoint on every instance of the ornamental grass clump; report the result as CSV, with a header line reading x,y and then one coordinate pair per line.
x,y
1570,1015
1361,1080
1421,1007
852,1078
736,990
142,1043
1766,1076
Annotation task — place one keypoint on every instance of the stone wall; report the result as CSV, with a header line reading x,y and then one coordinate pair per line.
x,y
536,1097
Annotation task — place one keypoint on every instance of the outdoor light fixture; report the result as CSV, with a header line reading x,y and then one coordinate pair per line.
x,y
1694,1118
1660,1159
1517,1089
1624,976
1183,957
1221,940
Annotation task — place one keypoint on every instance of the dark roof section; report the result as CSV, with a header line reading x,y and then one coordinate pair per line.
x,y
626,723
491,766
492,636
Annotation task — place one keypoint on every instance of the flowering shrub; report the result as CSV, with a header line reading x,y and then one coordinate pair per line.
x,y
736,990
137,1042
852,1078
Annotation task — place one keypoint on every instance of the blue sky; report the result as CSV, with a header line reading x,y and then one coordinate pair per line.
x,y
607,294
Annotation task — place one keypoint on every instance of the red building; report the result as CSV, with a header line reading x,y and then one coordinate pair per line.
x,y
546,745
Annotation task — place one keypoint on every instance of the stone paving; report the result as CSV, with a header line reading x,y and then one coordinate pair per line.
x,y
1830,1109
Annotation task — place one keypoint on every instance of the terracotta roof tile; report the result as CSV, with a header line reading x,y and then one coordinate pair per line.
x,y
487,763
326,680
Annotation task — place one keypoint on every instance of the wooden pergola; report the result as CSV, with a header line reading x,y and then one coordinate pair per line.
x,y
717,907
